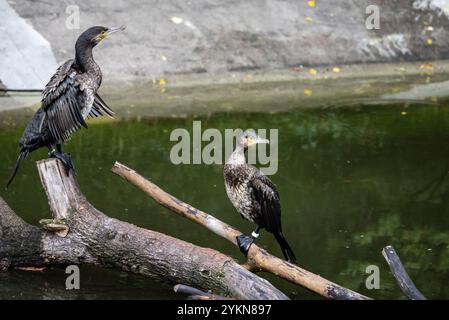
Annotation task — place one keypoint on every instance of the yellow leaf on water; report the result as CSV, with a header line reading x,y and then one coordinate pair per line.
x,y
313,72
336,69
162,82
309,19
429,41
176,20
308,92
426,66
403,113
311,3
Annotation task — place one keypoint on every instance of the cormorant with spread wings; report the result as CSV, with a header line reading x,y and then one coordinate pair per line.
x,y
68,99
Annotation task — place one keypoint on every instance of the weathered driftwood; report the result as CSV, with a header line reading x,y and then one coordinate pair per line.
x,y
95,238
258,258
402,278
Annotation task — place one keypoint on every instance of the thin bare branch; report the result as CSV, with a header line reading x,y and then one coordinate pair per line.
x,y
402,278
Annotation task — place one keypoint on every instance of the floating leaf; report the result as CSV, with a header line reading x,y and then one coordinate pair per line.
x,y
426,66
309,19
336,69
311,3
313,72
429,41
176,20
308,92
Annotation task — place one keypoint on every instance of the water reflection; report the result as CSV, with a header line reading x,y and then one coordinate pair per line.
x,y
350,182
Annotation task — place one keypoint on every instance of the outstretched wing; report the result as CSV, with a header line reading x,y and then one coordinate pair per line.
x,y
100,108
62,101
267,197
56,86
68,100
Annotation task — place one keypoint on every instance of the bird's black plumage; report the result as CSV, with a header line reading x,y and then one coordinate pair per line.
x,y
254,195
67,100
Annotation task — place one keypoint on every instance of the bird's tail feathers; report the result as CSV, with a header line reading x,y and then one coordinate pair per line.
x,y
285,247
22,155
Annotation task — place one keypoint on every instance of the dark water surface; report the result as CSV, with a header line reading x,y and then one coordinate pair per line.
x,y
351,181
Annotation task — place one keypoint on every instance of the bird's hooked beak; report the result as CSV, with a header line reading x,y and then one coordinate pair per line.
x,y
110,31
256,140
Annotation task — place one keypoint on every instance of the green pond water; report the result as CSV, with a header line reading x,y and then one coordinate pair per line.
x,y
351,182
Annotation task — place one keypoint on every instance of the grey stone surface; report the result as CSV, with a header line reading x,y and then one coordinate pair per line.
x,y
211,52
26,57
216,36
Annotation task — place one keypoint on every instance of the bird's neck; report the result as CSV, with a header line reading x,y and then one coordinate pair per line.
x,y
84,57
237,157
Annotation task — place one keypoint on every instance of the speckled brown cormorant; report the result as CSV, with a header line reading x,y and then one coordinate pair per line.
x,y
68,99
254,195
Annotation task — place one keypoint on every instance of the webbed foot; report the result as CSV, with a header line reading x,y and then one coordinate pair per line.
x,y
65,158
244,242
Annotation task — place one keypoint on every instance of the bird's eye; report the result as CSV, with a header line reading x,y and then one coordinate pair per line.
x,y
102,35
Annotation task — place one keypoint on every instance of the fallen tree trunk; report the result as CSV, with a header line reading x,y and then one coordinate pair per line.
x,y
258,258
95,238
